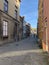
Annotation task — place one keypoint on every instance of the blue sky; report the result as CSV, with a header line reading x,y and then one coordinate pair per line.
x,y
29,9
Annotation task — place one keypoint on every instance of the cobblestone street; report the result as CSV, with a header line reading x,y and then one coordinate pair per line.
x,y
25,52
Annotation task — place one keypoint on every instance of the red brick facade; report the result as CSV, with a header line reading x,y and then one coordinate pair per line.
x,y
43,24
46,25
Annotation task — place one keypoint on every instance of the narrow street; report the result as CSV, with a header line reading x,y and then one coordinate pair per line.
x,y
25,52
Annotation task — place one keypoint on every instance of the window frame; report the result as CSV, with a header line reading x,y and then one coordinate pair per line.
x,y
5,29
16,14
6,6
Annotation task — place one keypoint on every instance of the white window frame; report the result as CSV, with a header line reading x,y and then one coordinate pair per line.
x,y
5,28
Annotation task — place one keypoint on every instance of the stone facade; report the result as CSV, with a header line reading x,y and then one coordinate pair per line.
x,y
11,7
10,18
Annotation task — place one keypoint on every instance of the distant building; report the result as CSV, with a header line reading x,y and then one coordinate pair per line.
x,y
21,28
33,30
28,30
24,28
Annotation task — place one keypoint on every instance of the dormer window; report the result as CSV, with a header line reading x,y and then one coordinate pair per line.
x,y
5,5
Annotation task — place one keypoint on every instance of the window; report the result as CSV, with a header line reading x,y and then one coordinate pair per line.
x,y
15,14
5,5
16,7
5,29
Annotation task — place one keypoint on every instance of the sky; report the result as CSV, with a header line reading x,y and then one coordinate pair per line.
x,y
29,9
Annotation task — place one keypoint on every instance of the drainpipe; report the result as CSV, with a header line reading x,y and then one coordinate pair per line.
x,y
46,40
46,34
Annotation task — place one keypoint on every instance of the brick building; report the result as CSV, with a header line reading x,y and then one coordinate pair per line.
x,y
45,25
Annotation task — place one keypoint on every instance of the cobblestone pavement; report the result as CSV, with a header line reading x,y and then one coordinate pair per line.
x,y
25,52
